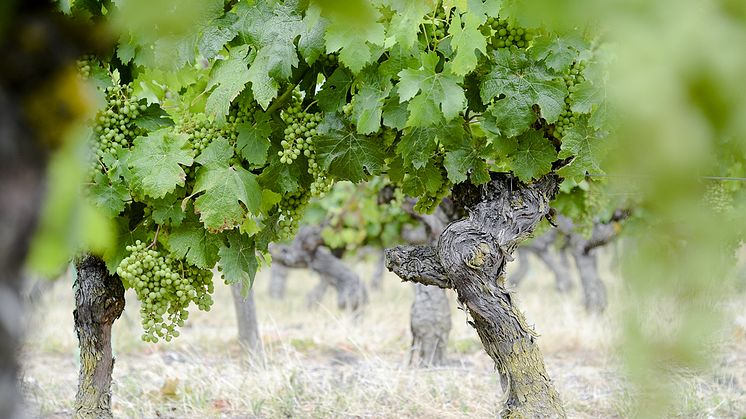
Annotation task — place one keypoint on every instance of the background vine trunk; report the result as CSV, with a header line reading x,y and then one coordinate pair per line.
x,y
248,327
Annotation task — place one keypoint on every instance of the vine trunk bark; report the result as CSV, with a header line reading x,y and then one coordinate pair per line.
x,y
99,301
308,251
430,315
470,257
376,279
430,322
248,326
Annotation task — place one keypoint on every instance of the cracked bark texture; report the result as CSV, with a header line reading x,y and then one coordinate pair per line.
x,y
248,327
99,301
308,251
470,257
278,279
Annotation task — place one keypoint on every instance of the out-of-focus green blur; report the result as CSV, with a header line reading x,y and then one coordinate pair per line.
x,y
677,90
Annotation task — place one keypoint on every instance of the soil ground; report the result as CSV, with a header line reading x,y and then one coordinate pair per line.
x,y
325,363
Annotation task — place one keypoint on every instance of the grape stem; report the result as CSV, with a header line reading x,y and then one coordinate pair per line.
x,y
155,239
280,101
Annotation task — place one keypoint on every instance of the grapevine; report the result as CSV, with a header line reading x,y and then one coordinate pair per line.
x,y
503,34
299,140
436,27
166,286
572,77
115,126
430,201
291,210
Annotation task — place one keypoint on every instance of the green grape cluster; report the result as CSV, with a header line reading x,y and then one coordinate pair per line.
x,y
84,65
165,286
329,60
717,198
427,203
291,209
347,109
436,26
115,126
572,77
241,112
200,130
300,134
503,34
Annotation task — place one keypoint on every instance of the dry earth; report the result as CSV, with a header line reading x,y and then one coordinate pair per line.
x,y
325,363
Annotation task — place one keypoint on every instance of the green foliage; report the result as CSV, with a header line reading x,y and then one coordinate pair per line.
x,y
352,217
215,139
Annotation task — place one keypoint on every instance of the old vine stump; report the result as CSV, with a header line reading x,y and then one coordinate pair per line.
x,y
470,257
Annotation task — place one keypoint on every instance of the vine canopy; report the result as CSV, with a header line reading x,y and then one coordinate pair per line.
x,y
223,119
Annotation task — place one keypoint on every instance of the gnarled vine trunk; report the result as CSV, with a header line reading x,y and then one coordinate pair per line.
x,y
99,301
308,251
248,327
470,257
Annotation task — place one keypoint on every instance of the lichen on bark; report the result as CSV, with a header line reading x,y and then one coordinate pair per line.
x,y
470,257
99,301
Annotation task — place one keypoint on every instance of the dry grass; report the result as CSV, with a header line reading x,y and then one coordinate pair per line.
x,y
324,363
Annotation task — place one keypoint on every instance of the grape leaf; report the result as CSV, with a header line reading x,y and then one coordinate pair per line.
x,y
558,52
353,40
587,149
346,154
110,197
438,92
271,29
468,158
215,36
466,40
333,94
509,117
253,140
225,188
427,179
395,112
192,242
405,22
230,77
167,210
533,156
156,160
519,84
418,145
367,104
280,177
586,98
238,260
311,42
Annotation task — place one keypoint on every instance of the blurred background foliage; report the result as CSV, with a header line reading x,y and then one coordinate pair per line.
x,y
677,93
